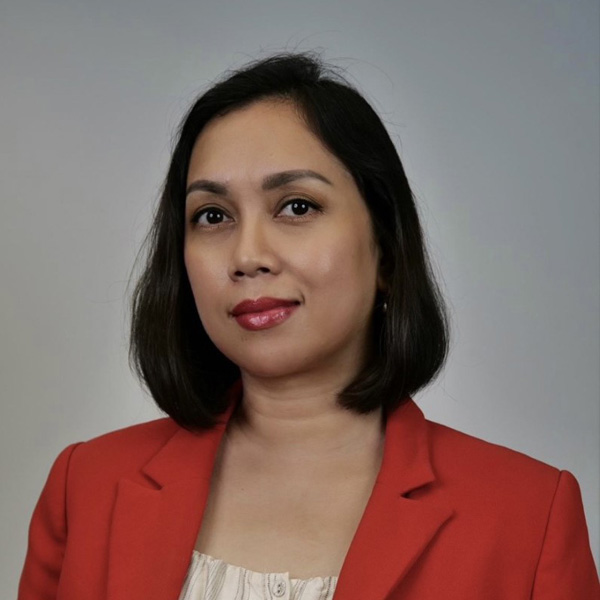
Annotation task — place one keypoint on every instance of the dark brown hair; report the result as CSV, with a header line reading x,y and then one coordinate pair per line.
x,y
170,350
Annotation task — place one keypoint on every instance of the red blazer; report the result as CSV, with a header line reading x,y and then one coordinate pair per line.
x,y
450,518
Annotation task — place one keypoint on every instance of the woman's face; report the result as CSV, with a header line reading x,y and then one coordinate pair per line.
x,y
271,213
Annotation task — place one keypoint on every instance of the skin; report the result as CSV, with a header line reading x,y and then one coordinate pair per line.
x,y
255,244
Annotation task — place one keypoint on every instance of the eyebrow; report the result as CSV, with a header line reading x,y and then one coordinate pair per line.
x,y
270,182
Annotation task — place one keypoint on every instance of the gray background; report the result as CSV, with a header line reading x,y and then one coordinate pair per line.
x,y
494,106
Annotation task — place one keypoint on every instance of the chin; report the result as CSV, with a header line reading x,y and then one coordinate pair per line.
x,y
269,369
270,362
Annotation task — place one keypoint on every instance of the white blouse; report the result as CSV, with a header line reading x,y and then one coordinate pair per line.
x,y
209,578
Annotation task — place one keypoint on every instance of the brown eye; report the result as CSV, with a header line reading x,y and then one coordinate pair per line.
x,y
298,208
209,216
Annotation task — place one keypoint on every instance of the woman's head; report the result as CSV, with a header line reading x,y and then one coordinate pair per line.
x,y
339,241
271,213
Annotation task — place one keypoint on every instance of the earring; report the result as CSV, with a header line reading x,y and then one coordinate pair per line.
x,y
384,307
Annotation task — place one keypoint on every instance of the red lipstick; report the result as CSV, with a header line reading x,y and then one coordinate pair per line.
x,y
263,313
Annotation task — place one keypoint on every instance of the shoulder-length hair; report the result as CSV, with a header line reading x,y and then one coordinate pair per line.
x,y
171,352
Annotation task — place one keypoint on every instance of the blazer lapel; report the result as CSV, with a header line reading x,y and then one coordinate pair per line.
x,y
155,522
395,529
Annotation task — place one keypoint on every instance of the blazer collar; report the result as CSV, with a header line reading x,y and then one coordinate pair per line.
x,y
156,520
190,455
395,529
154,527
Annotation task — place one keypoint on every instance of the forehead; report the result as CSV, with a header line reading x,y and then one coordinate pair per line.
x,y
264,137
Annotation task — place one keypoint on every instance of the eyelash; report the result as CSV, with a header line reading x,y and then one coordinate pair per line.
x,y
207,209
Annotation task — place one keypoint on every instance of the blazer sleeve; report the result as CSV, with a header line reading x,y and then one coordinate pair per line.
x,y
47,535
566,567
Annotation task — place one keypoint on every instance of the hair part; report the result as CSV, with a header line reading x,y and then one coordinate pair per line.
x,y
186,374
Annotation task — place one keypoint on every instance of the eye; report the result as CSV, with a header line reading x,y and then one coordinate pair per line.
x,y
210,216
298,207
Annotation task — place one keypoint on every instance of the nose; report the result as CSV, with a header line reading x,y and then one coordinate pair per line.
x,y
252,253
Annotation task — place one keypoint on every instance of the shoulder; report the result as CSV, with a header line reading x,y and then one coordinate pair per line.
x,y
528,511
90,470
486,470
118,453
149,433
478,453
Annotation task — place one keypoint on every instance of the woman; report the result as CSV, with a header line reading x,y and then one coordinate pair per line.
x,y
286,314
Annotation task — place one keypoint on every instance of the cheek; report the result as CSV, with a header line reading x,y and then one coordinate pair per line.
x,y
344,266
205,277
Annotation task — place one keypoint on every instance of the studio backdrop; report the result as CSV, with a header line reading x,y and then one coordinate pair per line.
x,y
494,108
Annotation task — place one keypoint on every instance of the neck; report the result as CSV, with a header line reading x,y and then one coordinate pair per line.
x,y
298,419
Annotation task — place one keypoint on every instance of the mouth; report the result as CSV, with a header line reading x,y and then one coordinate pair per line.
x,y
263,313
261,305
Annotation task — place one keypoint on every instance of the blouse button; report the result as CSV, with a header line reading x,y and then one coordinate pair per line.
x,y
279,588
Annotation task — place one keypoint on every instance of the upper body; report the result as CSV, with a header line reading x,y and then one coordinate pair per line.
x,y
287,253
449,516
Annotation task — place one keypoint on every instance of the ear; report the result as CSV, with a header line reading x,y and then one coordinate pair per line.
x,y
382,285
383,273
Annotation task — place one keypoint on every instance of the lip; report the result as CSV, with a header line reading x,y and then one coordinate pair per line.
x,y
263,313
260,305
